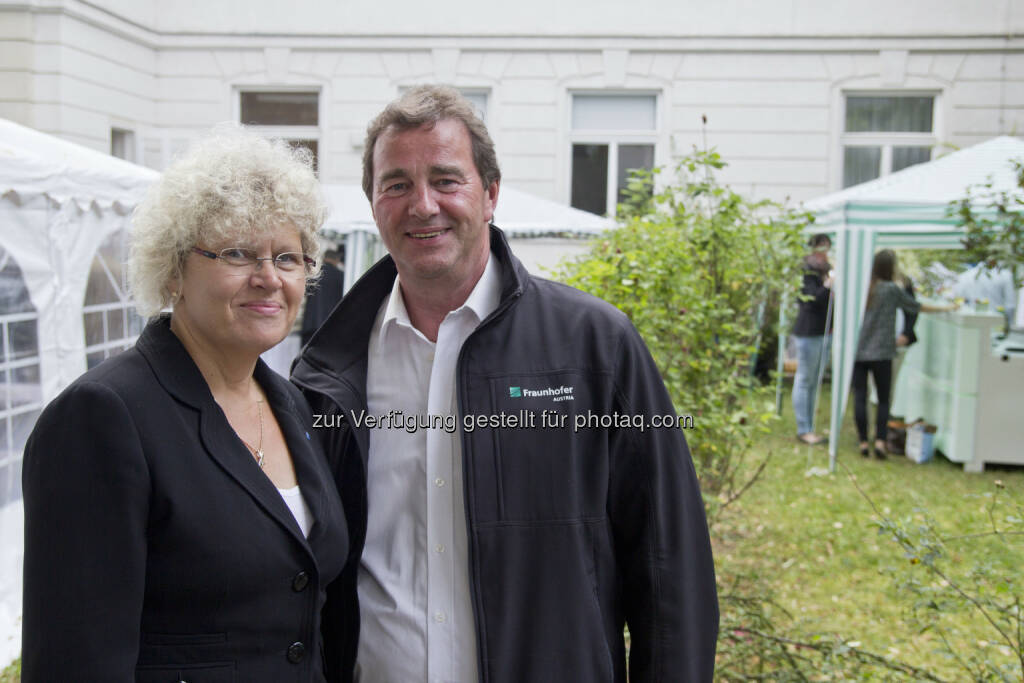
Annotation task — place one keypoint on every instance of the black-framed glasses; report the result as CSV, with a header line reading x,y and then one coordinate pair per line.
x,y
290,264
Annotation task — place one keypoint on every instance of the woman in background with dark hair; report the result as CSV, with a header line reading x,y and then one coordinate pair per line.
x,y
877,346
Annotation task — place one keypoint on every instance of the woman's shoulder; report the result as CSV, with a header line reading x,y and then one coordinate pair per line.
x,y
125,373
117,383
889,288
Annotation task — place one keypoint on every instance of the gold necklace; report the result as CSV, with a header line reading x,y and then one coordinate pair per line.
x,y
257,452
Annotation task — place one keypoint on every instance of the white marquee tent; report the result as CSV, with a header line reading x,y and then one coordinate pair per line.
x,y
58,203
63,210
906,209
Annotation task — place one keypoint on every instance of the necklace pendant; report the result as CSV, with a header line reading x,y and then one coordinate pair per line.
x,y
259,458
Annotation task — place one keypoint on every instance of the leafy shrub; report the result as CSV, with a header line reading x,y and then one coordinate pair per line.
x,y
696,266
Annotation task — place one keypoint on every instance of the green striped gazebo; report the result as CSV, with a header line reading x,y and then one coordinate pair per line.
x,y
907,209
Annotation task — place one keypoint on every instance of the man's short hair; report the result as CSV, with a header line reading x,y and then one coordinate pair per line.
x,y
428,104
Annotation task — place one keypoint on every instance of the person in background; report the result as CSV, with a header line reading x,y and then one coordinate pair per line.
x,y
324,296
876,347
180,522
813,334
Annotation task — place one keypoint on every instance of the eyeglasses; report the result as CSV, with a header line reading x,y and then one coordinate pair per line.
x,y
290,264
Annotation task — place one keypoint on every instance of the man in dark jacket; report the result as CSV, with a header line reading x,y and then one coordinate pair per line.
x,y
517,487
326,295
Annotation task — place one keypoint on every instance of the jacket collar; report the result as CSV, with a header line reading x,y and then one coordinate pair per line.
x,y
334,362
174,368
339,346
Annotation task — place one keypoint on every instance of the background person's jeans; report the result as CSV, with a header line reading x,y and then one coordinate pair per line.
x,y
811,352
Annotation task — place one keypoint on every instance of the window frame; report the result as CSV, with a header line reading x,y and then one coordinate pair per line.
x,y
886,141
289,133
613,138
125,139
109,346
11,450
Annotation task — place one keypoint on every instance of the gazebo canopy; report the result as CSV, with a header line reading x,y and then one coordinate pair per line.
x,y
906,209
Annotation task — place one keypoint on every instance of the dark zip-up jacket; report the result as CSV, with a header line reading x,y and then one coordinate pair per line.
x,y
574,532
812,316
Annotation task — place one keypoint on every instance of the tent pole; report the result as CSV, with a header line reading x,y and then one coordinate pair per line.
x,y
821,362
780,356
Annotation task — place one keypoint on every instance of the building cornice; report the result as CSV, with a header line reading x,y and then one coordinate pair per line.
x,y
101,18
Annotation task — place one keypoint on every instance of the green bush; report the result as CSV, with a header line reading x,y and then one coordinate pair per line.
x,y
696,266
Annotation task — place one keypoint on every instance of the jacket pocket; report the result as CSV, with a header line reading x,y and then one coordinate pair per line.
x,y
206,672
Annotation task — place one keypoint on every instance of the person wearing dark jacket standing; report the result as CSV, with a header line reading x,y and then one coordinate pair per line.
x,y
512,508
813,335
324,296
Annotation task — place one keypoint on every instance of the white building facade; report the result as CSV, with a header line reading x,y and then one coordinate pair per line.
x,y
800,97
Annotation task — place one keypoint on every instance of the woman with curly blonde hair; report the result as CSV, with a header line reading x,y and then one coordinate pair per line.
x,y
181,523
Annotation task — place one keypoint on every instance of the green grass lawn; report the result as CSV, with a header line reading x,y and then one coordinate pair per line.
x,y
814,540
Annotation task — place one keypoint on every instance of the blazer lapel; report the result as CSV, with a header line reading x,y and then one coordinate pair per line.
x,y
177,372
309,471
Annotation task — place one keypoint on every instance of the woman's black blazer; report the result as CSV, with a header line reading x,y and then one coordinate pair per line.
x,y
156,550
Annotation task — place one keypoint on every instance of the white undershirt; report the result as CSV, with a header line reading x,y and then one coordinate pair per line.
x,y
414,596
297,504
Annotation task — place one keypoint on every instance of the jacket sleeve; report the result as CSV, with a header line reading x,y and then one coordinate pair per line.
x,y
660,533
905,299
86,492
339,626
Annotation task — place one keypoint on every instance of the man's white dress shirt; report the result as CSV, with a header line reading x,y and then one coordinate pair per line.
x,y
414,596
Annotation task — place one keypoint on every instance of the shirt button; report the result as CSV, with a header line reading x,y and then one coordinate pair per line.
x,y
439,617
439,548
439,482
300,582
296,652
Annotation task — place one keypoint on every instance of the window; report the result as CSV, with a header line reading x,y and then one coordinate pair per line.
x,y
611,134
886,133
122,144
290,115
21,396
111,323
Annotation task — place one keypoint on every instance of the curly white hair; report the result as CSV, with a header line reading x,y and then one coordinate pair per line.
x,y
231,184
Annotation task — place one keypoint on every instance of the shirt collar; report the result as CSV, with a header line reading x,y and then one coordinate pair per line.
x,y
482,301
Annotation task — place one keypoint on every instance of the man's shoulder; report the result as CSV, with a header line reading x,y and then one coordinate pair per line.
x,y
576,303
